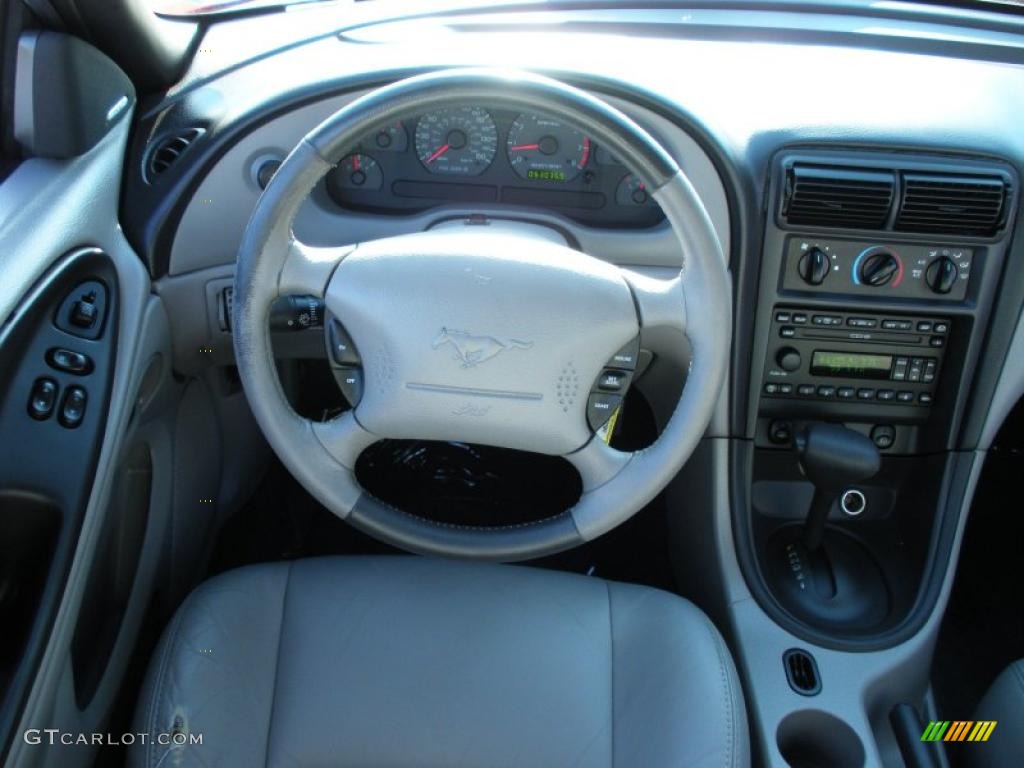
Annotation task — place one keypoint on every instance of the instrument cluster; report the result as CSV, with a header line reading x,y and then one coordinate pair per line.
x,y
473,155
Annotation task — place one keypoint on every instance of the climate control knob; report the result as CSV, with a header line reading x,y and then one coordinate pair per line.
x,y
813,266
941,274
878,268
788,359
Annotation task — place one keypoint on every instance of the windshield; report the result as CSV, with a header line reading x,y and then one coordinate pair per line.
x,y
185,8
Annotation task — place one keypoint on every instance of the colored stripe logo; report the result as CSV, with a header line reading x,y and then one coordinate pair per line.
x,y
958,730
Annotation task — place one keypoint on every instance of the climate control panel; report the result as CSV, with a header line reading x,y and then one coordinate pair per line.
x,y
862,268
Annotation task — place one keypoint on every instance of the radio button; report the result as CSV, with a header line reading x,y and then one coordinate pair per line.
x,y
782,317
886,394
785,389
936,341
805,390
846,393
826,391
866,393
916,369
925,398
787,332
897,325
899,371
771,389
940,327
826,320
929,371
862,322
799,318
904,396
924,326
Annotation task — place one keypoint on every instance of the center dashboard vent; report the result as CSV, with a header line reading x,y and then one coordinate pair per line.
x,y
835,196
168,150
942,203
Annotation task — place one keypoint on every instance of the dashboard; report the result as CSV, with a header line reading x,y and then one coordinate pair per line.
x,y
477,155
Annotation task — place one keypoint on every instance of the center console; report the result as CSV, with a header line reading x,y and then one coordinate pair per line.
x,y
875,282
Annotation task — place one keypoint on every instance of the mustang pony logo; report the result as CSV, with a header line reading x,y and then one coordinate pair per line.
x,y
472,350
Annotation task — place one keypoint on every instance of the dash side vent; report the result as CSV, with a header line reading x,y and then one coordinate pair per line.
x,y
836,196
168,150
948,204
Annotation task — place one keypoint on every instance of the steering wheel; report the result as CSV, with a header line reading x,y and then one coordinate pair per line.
x,y
482,334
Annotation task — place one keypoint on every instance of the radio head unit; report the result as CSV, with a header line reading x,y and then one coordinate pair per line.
x,y
869,361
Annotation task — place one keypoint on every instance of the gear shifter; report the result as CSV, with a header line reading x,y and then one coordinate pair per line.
x,y
826,575
831,457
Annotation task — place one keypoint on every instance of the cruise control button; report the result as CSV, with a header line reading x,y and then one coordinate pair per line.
x,y
350,380
612,380
600,408
69,361
627,356
72,409
846,393
42,398
343,351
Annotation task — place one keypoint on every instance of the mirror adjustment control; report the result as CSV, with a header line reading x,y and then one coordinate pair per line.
x,y
69,361
72,408
42,399
600,408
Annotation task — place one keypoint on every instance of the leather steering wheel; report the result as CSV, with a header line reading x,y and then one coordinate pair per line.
x,y
481,334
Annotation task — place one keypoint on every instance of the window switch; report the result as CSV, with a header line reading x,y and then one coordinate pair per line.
x,y
72,409
42,399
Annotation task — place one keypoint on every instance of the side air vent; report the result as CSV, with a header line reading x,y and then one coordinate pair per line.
x,y
957,205
834,196
801,672
169,149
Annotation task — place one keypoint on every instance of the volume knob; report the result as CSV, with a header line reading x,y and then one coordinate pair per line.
x,y
788,359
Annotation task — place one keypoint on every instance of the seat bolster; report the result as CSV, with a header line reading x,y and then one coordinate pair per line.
x,y
213,674
673,675
1004,703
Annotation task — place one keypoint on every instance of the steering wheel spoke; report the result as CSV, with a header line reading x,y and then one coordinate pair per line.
x,y
597,463
344,438
307,269
660,300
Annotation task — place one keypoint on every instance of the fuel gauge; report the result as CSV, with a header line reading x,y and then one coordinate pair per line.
x,y
632,191
390,138
358,171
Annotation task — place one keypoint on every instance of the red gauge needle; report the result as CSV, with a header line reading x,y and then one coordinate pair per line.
x,y
520,147
355,163
437,154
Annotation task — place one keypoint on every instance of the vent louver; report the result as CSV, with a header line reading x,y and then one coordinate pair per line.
x,y
169,149
801,672
833,196
961,205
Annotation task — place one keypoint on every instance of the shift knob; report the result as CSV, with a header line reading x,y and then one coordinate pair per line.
x,y
832,457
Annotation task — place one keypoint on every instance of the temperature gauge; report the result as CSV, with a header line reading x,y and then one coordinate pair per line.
x,y
390,138
358,171
632,191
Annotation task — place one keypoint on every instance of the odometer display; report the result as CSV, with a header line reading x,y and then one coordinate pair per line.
x,y
459,141
543,149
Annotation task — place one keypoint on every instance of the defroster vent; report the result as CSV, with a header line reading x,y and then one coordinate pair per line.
x,y
835,196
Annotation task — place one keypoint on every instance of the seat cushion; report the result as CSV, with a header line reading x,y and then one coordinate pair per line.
x,y
1004,703
402,661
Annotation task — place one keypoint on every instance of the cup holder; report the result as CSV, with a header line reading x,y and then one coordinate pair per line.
x,y
814,739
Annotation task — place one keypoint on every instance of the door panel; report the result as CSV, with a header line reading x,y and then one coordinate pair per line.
x,y
84,491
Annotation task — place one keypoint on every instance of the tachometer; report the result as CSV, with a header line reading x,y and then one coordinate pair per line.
x,y
543,149
460,140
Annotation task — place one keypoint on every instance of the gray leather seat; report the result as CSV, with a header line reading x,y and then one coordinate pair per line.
x,y
1004,703
402,661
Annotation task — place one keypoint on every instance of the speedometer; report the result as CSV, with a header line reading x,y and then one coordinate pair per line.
x,y
460,140
543,149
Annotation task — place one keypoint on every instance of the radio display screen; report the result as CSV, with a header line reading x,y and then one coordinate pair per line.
x,y
851,364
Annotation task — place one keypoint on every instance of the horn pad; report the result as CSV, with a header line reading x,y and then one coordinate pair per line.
x,y
483,337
